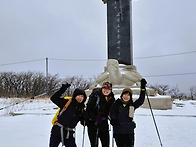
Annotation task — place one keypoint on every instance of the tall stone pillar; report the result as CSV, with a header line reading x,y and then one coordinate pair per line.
x,y
119,28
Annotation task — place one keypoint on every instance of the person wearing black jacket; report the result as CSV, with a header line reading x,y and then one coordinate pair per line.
x,y
98,108
64,129
122,114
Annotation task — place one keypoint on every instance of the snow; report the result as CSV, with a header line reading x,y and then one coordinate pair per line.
x,y
30,124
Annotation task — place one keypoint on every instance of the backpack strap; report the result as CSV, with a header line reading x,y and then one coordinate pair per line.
x,y
61,112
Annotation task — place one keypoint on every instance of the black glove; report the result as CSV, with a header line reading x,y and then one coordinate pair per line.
x,y
64,87
99,119
143,83
113,122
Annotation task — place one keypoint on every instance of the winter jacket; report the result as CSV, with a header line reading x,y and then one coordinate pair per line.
x,y
98,107
122,123
71,116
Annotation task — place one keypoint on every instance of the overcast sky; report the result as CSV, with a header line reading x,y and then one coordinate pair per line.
x,y
31,30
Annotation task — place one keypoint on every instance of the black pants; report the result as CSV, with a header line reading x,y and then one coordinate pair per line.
x,y
124,140
103,135
55,141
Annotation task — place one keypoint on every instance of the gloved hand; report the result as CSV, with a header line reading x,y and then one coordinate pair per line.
x,y
99,119
143,83
64,87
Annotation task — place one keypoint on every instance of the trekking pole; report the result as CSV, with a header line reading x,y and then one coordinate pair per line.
x,y
154,120
96,139
110,129
40,95
83,134
13,104
112,140
23,101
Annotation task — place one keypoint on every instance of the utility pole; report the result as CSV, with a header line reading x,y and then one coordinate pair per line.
x,y
47,92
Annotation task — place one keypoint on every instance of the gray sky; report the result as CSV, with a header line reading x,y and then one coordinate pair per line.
x,y
36,29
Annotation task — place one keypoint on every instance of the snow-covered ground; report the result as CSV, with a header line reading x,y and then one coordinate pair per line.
x,y
30,124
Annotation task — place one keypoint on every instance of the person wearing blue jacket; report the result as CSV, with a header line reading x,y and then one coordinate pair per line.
x,y
122,113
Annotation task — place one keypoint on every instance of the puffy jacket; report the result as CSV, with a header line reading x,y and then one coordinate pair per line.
x,y
98,106
122,123
72,115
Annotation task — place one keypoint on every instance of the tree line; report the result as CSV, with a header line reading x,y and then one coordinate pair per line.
x,y
174,92
29,84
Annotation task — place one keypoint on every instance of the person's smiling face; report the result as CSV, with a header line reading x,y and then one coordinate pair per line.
x,y
79,98
126,97
106,91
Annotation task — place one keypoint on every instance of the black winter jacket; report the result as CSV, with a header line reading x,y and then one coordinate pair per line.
x,y
101,109
70,117
122,123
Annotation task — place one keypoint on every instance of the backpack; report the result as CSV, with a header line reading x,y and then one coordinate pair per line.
x,y
93,104
93,95
58,113
95,91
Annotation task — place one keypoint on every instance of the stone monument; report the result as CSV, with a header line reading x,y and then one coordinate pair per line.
x,y
119,27
120,70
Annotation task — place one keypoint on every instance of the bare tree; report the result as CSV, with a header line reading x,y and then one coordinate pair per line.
x,y
164,89
174,92
53,83
25,84
192,91
29,84
77,82
161,89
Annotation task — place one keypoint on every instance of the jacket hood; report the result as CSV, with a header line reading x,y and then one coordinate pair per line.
x,y
127,90
77,92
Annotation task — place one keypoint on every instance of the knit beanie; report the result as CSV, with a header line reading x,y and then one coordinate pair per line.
x,y
126,90
107,85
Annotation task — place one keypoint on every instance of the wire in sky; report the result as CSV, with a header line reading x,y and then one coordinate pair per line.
x,y
78,59
96,59
158,56
21,62
177,74
161,75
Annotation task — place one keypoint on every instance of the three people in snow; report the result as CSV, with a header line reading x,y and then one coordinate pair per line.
x,y
100,108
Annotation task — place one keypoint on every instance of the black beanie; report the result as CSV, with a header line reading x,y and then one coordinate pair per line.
x,y
77,92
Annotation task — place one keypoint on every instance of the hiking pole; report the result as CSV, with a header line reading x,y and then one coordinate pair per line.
x,y
13,104
110,129
23,101
96,139
154,120
83,134
40,95
112,140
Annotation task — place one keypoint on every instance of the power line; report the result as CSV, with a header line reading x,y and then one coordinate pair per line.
x,y
78,59
158,56
161,75
21,62
177,74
